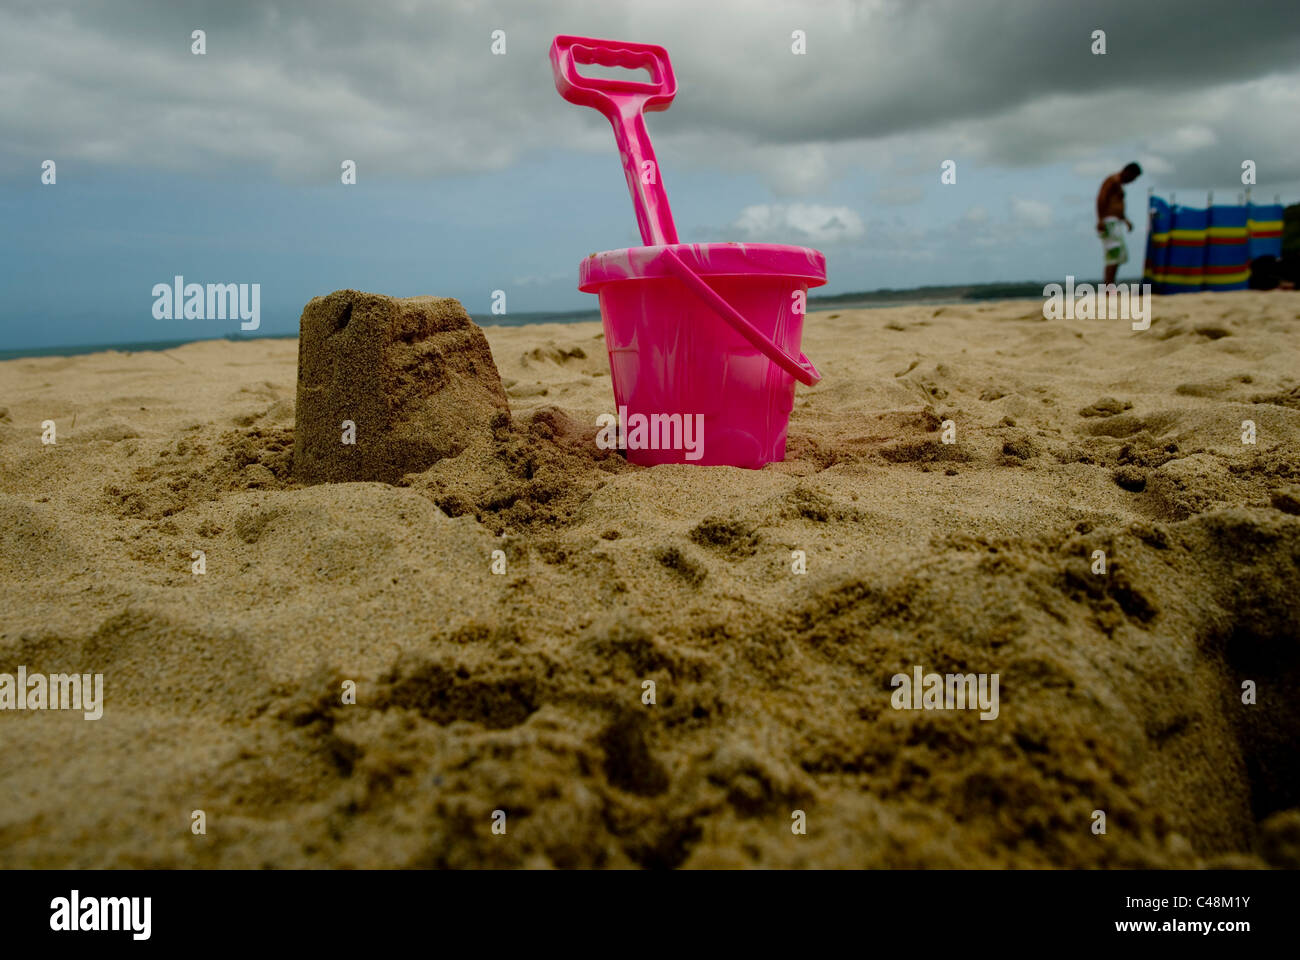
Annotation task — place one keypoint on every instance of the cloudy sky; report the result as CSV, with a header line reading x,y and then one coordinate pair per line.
x,y
474,175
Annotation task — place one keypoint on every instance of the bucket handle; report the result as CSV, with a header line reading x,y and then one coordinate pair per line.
x,y
801,369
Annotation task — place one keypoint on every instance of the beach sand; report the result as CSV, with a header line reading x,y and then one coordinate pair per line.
x,y
522,692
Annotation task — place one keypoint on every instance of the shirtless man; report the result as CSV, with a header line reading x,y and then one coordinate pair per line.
x,y
1110,214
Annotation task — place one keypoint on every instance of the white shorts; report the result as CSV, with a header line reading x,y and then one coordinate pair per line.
x,y
1112,241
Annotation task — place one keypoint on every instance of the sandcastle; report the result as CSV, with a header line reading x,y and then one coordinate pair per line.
x,y
389,386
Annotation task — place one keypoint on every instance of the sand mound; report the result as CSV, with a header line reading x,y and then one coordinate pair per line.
x,y
389,386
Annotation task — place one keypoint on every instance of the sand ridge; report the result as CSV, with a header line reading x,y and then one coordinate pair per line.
x,y
522,691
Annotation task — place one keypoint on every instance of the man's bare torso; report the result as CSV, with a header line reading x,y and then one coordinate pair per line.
x,y
1110,199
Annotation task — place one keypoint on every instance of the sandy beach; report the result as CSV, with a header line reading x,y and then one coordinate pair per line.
x,y
523,691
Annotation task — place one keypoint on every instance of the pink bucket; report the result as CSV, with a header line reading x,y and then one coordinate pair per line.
x,y
703,338
704,347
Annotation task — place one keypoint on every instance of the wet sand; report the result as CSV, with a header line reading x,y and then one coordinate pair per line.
x,y
523,691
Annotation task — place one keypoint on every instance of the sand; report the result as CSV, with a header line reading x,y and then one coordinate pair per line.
x,y
389,386
522,691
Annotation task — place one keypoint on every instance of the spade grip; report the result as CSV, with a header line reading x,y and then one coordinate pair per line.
x,y
623,102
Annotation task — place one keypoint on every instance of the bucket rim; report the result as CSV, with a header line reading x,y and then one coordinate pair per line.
x,y
714,259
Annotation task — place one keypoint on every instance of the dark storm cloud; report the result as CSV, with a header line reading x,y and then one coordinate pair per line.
x,y
907,66
412,89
